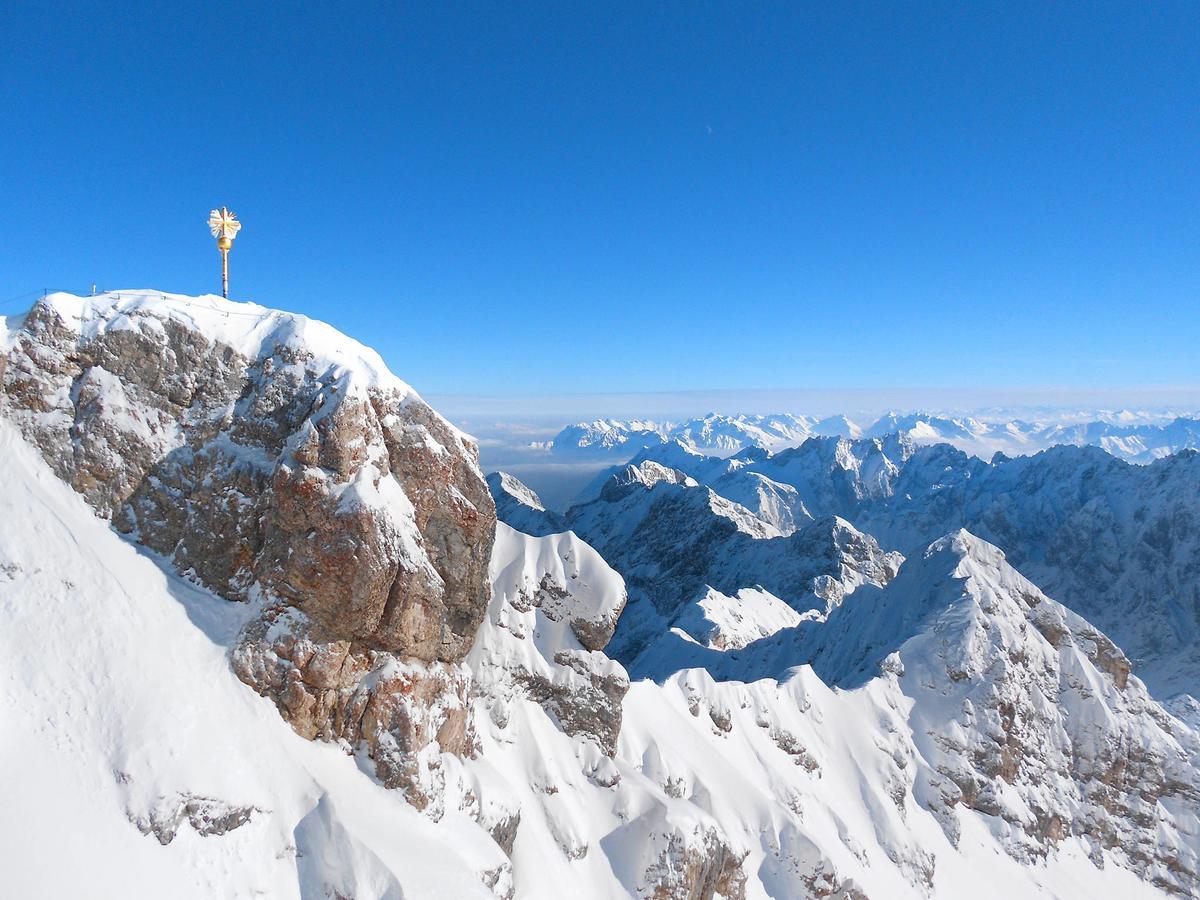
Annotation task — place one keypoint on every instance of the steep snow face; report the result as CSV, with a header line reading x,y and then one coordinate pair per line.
x,y
1120,544
519,506
721,622
777,504
1024,712
562,577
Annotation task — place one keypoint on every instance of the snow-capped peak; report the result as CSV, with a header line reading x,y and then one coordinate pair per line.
x,y
253,331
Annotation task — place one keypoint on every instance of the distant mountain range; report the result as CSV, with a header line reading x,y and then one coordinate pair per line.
x,y
1133,436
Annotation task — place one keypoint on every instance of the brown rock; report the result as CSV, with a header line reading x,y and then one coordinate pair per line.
x,y
339,498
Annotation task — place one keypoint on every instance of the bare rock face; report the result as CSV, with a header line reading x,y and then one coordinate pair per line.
x,y
584,695
272,459
406,713
207,817
695,865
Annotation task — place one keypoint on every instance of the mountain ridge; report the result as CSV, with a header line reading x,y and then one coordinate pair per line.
x,y
296,654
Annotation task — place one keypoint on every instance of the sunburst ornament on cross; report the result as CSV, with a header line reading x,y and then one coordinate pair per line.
x,y
224,226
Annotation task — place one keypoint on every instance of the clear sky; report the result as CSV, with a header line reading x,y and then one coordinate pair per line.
x,y
527,198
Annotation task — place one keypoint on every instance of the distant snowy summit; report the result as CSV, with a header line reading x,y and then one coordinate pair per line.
x,y
713,433
1139,437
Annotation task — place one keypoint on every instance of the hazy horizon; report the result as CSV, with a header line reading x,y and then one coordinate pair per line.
x,y
864,402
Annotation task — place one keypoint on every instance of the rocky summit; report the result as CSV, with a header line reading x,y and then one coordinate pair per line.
x,y
271,459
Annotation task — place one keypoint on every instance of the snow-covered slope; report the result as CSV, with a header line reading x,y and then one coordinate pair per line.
x,y
127,739
122,715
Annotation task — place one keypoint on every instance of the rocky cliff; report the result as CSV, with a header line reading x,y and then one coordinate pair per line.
x,y
276,461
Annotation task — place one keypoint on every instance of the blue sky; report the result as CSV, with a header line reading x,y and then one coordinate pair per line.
x,y
613,198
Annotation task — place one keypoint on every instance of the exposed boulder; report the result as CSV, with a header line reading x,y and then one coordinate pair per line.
x,y
405,713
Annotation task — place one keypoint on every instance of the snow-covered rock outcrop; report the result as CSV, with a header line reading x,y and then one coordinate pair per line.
x,y
1117,543
272,459
1023,712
